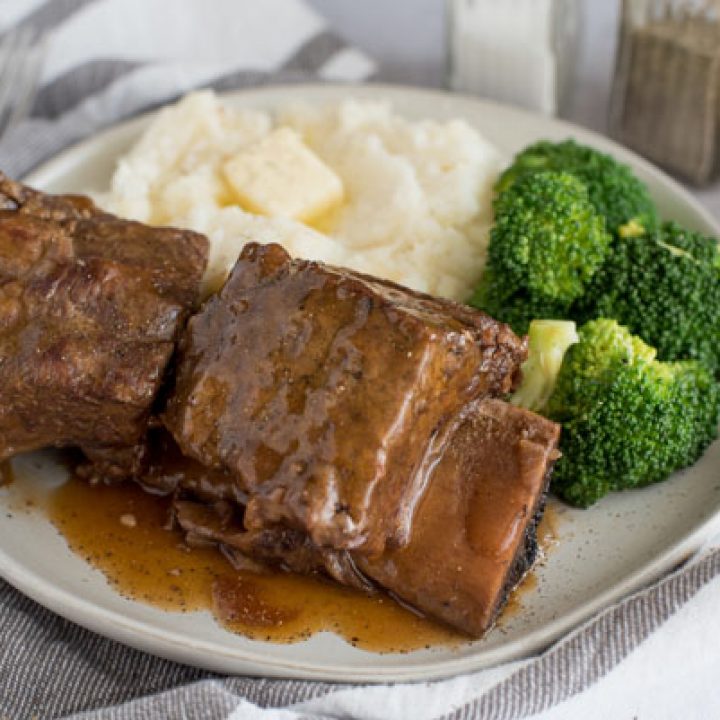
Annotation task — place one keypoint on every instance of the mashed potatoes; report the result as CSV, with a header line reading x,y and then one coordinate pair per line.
x,y
417,195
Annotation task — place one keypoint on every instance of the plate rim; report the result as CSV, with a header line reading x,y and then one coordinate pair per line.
x,y
176,646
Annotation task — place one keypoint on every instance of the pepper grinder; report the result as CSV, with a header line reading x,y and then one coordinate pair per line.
x,y
666,90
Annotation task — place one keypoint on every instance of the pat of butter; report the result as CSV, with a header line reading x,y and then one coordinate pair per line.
x,y
281,175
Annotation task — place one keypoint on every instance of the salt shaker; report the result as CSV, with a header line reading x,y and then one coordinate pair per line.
x,y
516,51
666,90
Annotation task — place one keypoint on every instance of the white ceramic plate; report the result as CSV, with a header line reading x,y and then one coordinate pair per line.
x,y
605,552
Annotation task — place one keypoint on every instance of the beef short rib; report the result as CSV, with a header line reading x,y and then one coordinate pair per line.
x,y
328,394
90,308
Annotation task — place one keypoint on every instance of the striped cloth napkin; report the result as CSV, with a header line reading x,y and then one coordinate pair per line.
x,y
654,655
109,59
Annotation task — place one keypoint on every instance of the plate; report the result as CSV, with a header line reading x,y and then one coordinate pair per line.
x,y
603,553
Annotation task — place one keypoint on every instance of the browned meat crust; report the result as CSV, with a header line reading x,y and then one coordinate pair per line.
x,y
328,393
89,312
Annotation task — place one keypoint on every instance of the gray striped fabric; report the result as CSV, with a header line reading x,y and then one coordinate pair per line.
x,y
72,87
50,15
51,668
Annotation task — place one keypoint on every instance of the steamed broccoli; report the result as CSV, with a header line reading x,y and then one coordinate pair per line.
x,y
614,191
666,288
628,419
546,244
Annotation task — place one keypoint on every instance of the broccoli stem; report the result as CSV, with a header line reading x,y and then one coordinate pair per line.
x,y
548,341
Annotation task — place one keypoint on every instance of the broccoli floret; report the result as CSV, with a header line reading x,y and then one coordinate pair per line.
x,y
666,288
628,419
546,244
615,192
548,341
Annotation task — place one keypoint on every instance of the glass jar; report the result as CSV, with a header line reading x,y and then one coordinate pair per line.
x,y
516,51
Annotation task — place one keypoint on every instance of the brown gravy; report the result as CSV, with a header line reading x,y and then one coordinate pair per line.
x,y
120,531
548,531
6,473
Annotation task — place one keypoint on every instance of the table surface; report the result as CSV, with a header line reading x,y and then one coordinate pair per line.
x,y
380,28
